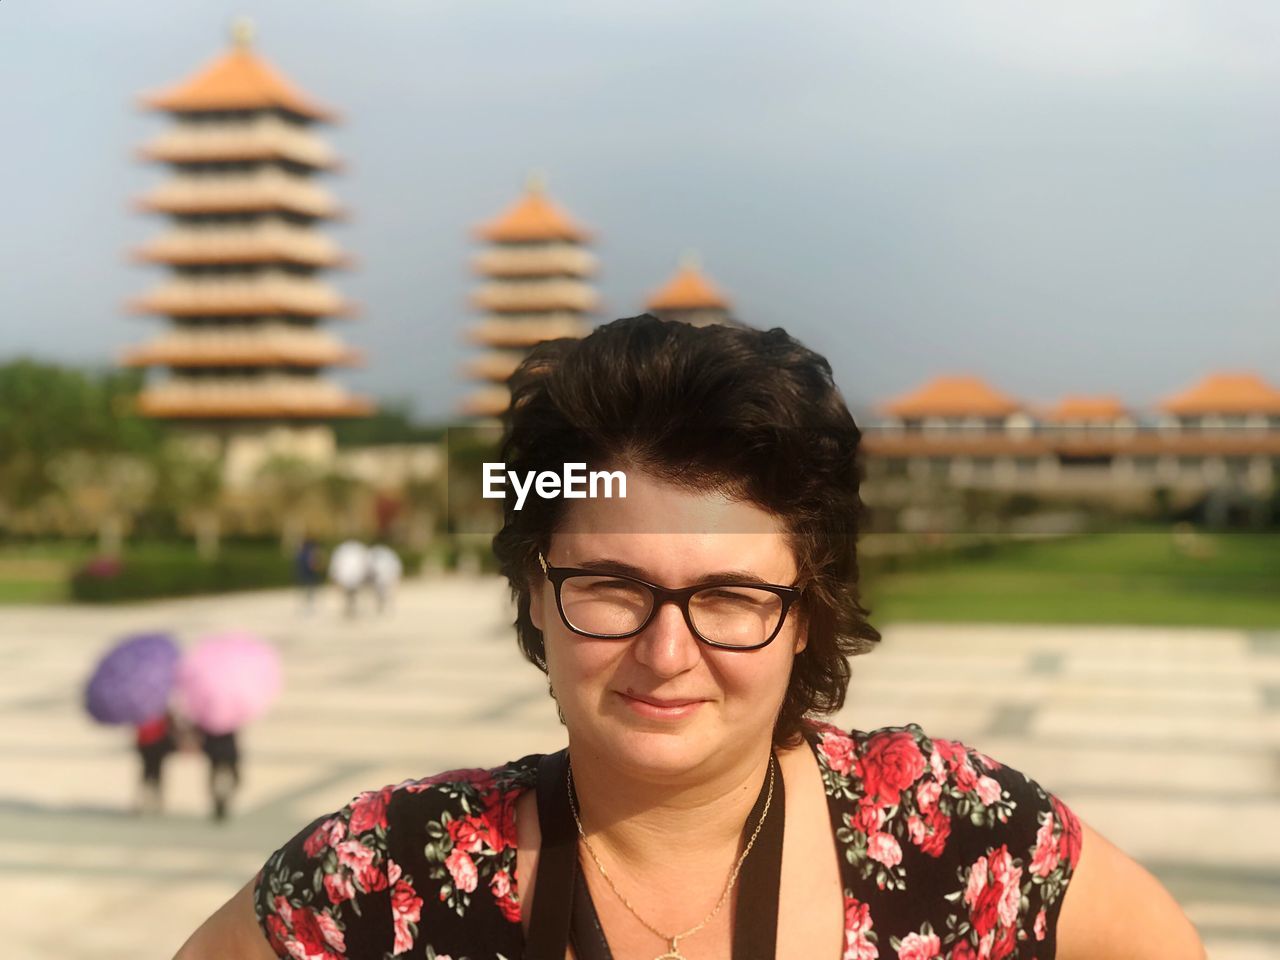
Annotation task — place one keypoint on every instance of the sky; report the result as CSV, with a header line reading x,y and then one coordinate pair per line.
x,y
1062,198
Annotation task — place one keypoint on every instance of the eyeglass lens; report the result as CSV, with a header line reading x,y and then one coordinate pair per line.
x,y
613,607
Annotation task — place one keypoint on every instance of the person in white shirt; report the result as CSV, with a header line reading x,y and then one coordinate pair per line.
x,y
349,569
385,570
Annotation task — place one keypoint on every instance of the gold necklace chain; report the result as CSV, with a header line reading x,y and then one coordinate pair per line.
x,y
673,939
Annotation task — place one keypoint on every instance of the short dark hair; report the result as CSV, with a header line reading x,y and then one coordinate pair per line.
x,y
750,412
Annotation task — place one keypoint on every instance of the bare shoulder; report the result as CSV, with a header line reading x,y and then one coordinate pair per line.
x,y
232,933
1114,908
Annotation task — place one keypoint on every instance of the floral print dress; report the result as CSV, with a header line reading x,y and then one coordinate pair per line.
x,y
945,855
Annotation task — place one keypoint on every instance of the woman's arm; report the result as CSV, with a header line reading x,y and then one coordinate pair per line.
x,y
232,933
1114,910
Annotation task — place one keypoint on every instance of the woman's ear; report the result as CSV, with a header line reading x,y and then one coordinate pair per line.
x,y
802,639
536,602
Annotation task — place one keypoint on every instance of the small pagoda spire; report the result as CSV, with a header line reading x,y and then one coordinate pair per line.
x,y
689,296
242,33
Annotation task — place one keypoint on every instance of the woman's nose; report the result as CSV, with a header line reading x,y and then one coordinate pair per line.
x,y
666,646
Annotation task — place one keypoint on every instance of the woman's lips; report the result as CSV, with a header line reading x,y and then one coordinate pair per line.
x,y
655,708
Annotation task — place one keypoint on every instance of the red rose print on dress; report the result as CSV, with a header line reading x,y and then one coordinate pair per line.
x,y
463,870
406,909
890,764
993,893
501,888
989,790
927,795
858,937
369,811
883,848
308,937
332,932
1045,858
1071,839
837,749
468,833
339,886
933,832
917,946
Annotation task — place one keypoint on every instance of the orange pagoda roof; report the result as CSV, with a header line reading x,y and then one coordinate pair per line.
x,y
688,289
251,408
1076,408
531,218
1225,393
238,355
953,396
237,80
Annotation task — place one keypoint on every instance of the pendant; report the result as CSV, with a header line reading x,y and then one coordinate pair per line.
x,y
672,954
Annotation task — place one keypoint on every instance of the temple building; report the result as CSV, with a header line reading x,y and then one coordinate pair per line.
x,y
535,269
690,297
1220,437
952,402
245,346
1223,400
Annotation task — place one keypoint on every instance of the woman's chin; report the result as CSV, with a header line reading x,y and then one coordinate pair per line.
x,y
641,745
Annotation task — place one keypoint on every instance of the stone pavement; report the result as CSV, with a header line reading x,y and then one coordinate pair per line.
x,y
1167,741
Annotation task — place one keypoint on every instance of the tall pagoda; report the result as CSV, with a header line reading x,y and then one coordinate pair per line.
x,y
690,297
535,267
245,346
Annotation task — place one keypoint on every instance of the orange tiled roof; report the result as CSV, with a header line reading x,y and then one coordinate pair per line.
x,y
688,289
237,80
1225,393
1075,408
953,396
239,356
531,218
251,409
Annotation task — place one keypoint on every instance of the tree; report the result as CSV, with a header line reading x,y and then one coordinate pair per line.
x,y
48,412
191,486
290,483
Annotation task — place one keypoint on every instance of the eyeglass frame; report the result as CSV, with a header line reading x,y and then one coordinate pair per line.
x,y
680,596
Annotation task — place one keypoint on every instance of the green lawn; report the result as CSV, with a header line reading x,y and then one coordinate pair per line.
x,y
1230,580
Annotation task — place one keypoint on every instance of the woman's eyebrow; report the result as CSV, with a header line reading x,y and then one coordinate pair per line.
x,y
609,565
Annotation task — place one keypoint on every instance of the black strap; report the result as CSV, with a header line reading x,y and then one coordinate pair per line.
x,y
755,918
549,922
562,908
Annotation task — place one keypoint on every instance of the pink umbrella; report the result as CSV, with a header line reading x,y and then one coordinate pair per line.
x,y
227,680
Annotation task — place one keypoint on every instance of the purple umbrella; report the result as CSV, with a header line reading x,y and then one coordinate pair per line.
x,y
227,680
132,683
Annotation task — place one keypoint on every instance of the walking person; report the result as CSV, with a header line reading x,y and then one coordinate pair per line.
x,y
385,570
307,567
349,569
154,741
224,770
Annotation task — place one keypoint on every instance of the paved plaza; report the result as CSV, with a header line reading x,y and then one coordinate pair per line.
x,y
1167,741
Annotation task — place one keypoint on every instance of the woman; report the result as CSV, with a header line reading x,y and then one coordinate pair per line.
x,y
689,632
155,741
224,769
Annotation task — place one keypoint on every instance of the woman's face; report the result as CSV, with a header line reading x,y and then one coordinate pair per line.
x,y
662,702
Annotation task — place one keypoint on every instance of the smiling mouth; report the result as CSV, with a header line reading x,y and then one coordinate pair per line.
x,y
661,708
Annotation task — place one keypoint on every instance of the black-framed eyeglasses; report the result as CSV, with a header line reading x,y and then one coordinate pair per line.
x,y
731,614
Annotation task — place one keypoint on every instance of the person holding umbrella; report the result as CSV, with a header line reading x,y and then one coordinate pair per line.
x,y
226,681
155,741
131,685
